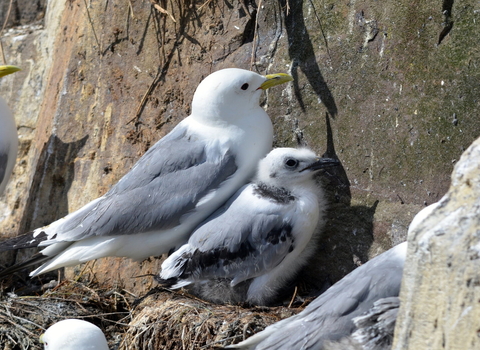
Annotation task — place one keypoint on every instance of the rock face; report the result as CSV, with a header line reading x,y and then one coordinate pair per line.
x,y
440,293
103,81
391,88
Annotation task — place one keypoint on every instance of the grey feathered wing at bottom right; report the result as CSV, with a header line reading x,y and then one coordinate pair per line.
x,y
330,317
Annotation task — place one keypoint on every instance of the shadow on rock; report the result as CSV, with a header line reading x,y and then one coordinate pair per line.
x,y
301,51
47,198
346,238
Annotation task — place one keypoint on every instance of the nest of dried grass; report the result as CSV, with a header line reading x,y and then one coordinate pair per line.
x,y
24,318
170,321
161,320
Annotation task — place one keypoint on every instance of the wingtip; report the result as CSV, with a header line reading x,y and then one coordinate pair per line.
x,y
27,240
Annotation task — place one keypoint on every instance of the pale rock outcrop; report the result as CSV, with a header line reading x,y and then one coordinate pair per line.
x,y
440,296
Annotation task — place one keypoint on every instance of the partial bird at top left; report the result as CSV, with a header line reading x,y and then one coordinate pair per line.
x,y
8,135
177,184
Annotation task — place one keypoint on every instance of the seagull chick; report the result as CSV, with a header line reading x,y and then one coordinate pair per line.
x,y
8,135
330,317
260,238
176,185
74,334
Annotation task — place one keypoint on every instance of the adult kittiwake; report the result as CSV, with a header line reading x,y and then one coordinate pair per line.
x,y
8,135
260,238
177,184
374,329
329,318
73,334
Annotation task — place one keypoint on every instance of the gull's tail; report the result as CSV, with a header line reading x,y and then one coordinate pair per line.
x,y
34,260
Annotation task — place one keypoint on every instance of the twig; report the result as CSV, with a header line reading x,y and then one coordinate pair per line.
x,y
130,293
104,314
131,9
245,8
6,18
7,317
204,4
144,98
87,264
1,30
11,339
254,46
162,10
81,306
220,341
124,299
93,28
293,297
161,30
59,285
27,321
199,328
321,29
21,327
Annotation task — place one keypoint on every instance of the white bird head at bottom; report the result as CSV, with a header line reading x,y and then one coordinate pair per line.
x,y
74,334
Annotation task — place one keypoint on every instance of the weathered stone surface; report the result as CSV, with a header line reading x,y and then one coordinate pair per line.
x,y
21,12
30,48
103,81
399,84
440,297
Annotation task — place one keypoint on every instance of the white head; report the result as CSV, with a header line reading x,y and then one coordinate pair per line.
x,y
74,335
284,167
230,93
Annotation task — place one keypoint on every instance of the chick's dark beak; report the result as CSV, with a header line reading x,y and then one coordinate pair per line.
x,y
322,163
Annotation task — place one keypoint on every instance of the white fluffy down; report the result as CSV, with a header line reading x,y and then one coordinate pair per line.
x,y
74,335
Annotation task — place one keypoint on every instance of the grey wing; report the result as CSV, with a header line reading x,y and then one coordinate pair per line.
x,y
327,318
3,162
375,329
240,242
333,320
330,316
166,183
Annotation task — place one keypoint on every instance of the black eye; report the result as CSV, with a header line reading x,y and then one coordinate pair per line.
x,y
244,86
291,163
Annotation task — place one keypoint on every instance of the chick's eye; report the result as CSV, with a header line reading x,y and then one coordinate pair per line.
x,y
244,86
291,163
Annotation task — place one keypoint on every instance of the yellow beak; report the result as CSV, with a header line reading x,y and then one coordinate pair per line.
x,y
6,70
275,79
41,338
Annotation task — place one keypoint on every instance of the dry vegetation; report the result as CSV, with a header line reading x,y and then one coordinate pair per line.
x,y
160,320
24,318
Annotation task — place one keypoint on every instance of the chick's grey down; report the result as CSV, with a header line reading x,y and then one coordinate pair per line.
x,y
179,181
255,244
